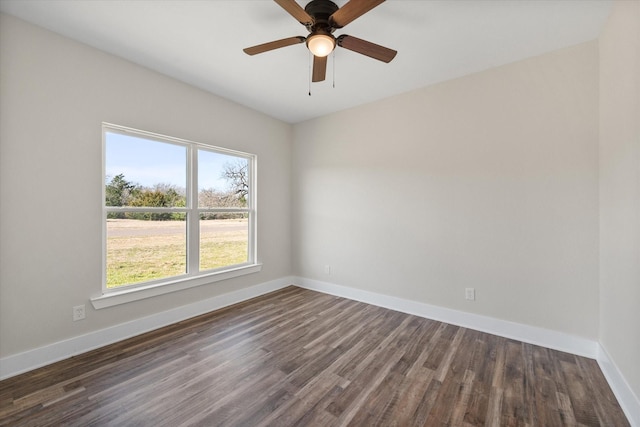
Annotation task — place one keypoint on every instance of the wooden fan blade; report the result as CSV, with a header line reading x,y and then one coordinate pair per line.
x,y
351,11
319,68
364,47
265,47
295,10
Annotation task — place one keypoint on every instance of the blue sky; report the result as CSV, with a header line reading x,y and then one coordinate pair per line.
x,y
148,162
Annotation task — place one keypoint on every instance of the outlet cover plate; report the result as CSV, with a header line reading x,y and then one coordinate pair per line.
x,y
78,312
470,294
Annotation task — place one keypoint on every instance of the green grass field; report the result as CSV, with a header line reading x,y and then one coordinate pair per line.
x,y
140,251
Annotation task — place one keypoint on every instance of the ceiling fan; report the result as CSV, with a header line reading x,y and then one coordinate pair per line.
x,y
322,18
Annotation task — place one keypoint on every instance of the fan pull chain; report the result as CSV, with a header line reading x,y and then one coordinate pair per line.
x,y
334,68
310,71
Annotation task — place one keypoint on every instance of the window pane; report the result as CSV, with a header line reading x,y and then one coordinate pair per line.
x,y
144,173
142,250
224,239
223,180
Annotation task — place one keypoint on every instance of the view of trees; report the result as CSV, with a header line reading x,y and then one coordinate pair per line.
x,y
120,192
236,173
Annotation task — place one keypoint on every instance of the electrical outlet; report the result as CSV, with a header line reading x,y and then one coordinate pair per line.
x,y
470,294
327,270
78,312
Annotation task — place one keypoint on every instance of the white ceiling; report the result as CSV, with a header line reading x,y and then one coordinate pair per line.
x,y
200,42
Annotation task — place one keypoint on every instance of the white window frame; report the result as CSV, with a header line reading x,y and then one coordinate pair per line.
x,y
193,276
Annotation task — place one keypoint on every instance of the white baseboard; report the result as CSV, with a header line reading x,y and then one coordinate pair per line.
x,y
627,399
518,331
32,359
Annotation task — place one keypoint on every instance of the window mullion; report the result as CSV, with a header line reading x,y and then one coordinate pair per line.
x,y
193,217
144,209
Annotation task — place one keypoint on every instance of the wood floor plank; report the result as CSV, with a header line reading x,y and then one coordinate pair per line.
x,y
461,405
514,407
494,407
582,400
482,364
606,404
298,357
546,402
410,392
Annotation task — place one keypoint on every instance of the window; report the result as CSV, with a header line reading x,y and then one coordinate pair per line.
x,y
174,210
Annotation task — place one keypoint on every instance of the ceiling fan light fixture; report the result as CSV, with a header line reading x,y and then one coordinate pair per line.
x,y
321,44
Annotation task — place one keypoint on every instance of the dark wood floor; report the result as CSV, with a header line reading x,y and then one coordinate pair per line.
x,y
297,357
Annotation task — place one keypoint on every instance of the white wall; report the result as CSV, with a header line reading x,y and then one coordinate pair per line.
x,y
487,181
620,190
54,95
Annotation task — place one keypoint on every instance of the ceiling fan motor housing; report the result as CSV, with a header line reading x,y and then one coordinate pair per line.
x,y
321,10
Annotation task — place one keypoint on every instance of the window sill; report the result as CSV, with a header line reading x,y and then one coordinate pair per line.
x,y
134,294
